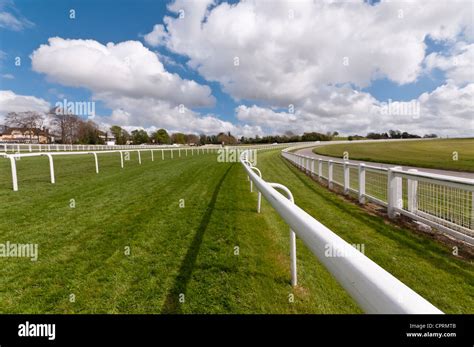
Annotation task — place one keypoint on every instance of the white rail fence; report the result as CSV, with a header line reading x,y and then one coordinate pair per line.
x,y
443,202
373,288
26,147
169,152
165,152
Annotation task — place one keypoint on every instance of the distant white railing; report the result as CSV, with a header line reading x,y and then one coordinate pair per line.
x,y
97,149
441,201
27,147
372,287
95,154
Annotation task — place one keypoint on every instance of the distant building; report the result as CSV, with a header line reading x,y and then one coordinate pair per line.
x,y
106,138
24,135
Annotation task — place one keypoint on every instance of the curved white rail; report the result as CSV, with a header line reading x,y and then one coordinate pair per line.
x,y
372,287
441,201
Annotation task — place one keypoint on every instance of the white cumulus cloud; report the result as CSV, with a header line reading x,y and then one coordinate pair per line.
x,y
286,49
123,69
11,102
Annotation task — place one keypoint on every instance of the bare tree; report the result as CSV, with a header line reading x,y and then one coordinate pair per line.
x,y
67,124
29,120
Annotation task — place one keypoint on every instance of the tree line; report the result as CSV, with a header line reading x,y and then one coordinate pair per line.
x,y
66,128
162,137
72,129
392,134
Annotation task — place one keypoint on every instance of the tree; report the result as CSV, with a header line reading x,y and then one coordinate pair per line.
x,y
30,120
179,138
203,139
88,133
226,139
121,135
161,137
395,134
430,136
140,136
67,124
192,139
314,136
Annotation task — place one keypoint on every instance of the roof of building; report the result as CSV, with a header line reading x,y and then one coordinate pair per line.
x,y
5,130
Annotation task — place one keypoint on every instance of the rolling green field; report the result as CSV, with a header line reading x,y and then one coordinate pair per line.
x,y
438,154
192,250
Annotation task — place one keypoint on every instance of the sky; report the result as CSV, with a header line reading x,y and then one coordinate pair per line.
x,y
248,67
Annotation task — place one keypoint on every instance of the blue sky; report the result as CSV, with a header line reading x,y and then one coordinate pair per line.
x,y
103,21
122,20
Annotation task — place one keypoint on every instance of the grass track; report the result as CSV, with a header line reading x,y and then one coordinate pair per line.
x,y
191,250
437,154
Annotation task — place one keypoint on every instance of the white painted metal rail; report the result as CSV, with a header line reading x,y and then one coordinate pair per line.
x,y
441,201
71,150
95,154
372,287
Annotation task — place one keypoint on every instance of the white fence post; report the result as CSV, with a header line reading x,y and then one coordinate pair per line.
x,y
320,169
412,190
394,194
51,167
162,154
472,210
293,269
14,176
152,157
121,159
139,157
362,183
96,162
259,202
330,167
346,178
312,168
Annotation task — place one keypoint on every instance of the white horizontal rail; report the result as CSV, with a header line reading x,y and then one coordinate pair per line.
x,y
100,149
441,201
50,155
372,287
27,147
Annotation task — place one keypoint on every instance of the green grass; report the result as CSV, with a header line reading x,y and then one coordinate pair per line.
x,y
190,250
438,154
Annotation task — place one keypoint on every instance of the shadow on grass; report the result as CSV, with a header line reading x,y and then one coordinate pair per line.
x,y
172,304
